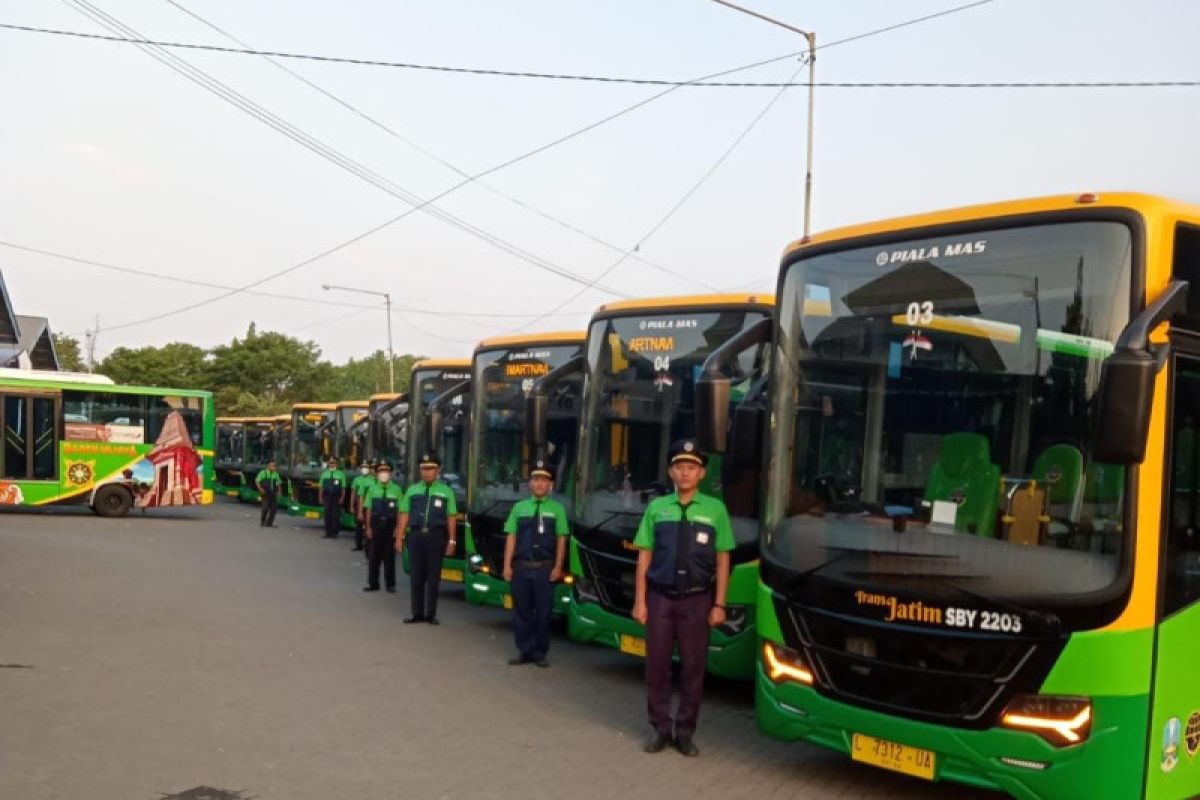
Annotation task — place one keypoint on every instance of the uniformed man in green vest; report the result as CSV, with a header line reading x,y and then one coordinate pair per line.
x,y
428,522
683,545
333,495
268,482
381,504
534,550
359,487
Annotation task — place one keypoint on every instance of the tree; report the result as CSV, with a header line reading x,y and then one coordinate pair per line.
x,y
273,367
176,365
360,378
70,357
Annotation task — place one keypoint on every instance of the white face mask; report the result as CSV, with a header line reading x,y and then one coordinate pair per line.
x,y
365,471
384,477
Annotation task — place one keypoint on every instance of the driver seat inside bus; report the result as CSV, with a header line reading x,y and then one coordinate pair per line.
x,y
1059,468
965,476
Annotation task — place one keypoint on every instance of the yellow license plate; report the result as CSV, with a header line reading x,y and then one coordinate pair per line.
x,y
454,575
508,601
893,755
231,493
312,514
634,645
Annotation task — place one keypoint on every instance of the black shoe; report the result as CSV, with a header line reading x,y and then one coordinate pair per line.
x,y
356,548
543,663
432,620
411,620
657,743
686,747
519,661
372,589
391,589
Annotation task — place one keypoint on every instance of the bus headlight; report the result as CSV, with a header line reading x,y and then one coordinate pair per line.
x,y
735,621
568,579
784,664
475,564
1061,721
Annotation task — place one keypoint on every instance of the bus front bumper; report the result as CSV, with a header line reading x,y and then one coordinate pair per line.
x,y
731,651
1022,764
486,589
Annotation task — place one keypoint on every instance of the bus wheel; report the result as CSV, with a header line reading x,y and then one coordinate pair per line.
x,y
112,501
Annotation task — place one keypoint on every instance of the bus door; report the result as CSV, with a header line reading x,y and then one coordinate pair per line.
x,y
1173,768
29,422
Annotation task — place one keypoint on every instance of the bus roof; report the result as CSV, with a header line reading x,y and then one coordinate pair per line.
x,y
375,398
282,418
442,363
258,420
48,379
694,301
1147,204
9,373
519,339
230,420
314,407
353,404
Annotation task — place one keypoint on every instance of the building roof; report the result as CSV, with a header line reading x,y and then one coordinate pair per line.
x,y
36,342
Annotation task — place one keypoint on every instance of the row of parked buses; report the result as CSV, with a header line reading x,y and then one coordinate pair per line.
x,y
960,453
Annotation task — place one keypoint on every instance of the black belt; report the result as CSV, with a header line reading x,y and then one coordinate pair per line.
x,y
676,594
528,564
429,530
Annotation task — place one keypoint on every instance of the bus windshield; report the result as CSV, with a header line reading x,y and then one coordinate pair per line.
x,y
428,384
934,409
259,445
311,434
228,441
389,434
503,379
642,372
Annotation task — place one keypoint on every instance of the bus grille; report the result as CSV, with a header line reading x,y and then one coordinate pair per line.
x,y
306,493
958,679
613,578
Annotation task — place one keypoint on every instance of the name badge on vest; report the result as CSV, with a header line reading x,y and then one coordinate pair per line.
x,y
391,504
437,503
701,538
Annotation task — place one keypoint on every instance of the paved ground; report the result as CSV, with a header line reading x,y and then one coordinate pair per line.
x,y
148,656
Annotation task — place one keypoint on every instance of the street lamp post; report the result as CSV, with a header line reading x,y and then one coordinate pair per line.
x,y
811,38
387,299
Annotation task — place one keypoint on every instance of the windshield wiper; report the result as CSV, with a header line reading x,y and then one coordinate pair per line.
x,y
1048,619
493,505
599,525
847,552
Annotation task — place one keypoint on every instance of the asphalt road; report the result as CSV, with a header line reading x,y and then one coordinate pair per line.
x,y
144,657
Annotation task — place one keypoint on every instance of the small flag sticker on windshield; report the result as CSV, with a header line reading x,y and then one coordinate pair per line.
x,y
916,341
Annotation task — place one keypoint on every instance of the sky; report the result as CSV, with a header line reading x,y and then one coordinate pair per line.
x,y
107,155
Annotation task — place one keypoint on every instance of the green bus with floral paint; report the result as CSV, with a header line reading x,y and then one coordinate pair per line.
x,y
77,439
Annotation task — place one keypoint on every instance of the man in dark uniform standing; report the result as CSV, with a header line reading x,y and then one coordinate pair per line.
x,y
534,550
362,483
683,547
333,494
381,506
268,482
428,521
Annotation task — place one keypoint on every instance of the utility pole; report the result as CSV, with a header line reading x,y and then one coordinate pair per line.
x,y
811,38
387,299
90,337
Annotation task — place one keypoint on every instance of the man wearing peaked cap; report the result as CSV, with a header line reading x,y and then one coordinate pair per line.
x,y
381,512
683,546
428,521
359,487
534,549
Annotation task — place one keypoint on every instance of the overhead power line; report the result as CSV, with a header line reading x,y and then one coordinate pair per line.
x,y
162,276
425,151
524,156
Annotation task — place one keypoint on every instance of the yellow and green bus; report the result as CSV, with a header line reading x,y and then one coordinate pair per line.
x,y
228,455
504,373
439,419
643,359
258,447
980,550
311,448
387,437
82,440
349,443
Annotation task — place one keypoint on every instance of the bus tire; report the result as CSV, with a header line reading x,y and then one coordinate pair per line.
x,y
112,501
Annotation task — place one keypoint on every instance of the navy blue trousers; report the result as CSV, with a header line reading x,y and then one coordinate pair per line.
x,y
533,597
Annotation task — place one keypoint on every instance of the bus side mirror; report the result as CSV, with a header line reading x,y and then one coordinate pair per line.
x,y
746,445
433,428
712,412
536,411
1125,396
1126,391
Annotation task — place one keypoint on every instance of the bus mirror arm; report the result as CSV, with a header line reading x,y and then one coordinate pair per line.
x,y
714,386
537,402
433,413
1126,391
